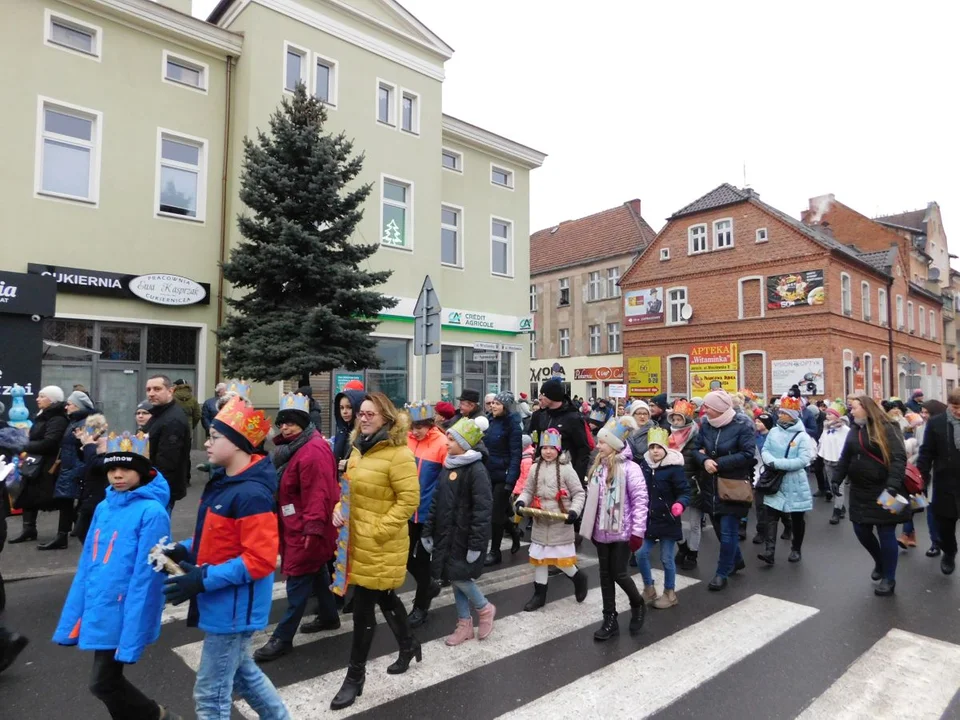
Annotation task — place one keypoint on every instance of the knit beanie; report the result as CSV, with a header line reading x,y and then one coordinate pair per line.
x,y
637,405
445,410
81,400
145,405
506,399
52,393
297,417
766,419
526,441
469,432
660,401
718,401
553,390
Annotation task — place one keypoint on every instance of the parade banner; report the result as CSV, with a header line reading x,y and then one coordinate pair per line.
x,y
806,373
644,375
718,357
705,382
795,289
643,306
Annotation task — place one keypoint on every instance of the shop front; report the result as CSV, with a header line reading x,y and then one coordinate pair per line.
x,y
588,376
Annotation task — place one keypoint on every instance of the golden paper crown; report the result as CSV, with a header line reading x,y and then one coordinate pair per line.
x,y
685,408
791,403
241,418
658,436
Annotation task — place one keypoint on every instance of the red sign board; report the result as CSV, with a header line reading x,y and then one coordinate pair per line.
x,y
598,373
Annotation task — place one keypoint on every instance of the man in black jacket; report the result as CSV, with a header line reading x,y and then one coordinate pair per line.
x,y
170,435
939,462
558,411
468,407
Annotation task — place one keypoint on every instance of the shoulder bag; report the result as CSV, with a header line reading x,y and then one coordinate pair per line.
x,y
770,478
912,479
732,490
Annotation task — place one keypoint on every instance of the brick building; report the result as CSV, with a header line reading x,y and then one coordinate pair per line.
x,y
735,293
575,269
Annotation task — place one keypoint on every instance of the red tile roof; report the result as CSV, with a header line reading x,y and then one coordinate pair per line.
x,y
609,233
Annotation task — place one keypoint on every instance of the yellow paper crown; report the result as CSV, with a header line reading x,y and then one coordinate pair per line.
x,y
658,436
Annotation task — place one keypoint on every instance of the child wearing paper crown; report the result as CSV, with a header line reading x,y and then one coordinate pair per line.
x,y
668,494
228,565
553,486
458,529
114,605
836,427
615,518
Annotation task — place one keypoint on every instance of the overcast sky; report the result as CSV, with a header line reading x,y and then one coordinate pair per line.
x,y
665,101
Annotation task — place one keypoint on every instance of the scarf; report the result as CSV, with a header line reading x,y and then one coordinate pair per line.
x,y
364,443
786,425
284,453
724,419
611,511
955,423
679,437
455,461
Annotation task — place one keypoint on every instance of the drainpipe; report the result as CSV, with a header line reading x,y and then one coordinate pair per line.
x,y
223,205
894,390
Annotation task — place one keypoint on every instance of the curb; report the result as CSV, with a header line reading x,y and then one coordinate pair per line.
x,y
38,574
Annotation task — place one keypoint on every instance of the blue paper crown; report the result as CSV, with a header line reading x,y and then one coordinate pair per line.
x,y
292,401
239,387
139,443
618,429
551,438
420,411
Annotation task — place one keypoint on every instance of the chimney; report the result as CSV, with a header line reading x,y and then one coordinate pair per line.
x,y
825,228
183,6
635,206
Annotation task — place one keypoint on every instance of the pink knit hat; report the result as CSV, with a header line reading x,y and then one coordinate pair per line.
x,y
718,401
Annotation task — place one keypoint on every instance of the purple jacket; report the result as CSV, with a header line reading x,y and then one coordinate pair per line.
x,y
635,501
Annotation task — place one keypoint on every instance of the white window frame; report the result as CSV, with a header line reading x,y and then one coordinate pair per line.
x,y
847,364
95,146
48,18
305,74
534,303
391,121
595,286
716,236
705,238
885,375
615,348
933,324
742,372
882,310
595,347
664,254
408,215
457,154
740,303
670,302
613,289
560,289
188,62
459,229
901,323
868,374
762,235
669,375
511,229
406,93
533,345
922,320
866,312
911,328
846,294
201,174
334,89
561,339
511,176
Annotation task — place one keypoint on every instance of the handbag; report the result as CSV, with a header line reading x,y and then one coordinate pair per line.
x,y
912,479
735,490
30,467
770,478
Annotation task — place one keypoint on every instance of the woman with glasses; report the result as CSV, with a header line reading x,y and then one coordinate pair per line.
x,y
640,412
384,492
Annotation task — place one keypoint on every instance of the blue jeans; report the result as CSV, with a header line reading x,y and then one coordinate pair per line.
x,y
885,551
465,594
226,665
727,529
908,527
668,552
300,588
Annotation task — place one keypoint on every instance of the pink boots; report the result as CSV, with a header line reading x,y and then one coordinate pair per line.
x,y
463,633
486,616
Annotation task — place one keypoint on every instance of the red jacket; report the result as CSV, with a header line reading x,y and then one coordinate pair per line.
x,y
308,491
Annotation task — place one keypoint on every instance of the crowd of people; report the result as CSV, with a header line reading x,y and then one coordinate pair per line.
x,y
433,490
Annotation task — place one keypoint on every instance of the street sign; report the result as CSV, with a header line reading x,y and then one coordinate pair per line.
x,y
492,346
426,327
510,347
479,356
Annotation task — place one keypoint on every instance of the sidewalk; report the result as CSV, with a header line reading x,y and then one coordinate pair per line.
x,y
24,562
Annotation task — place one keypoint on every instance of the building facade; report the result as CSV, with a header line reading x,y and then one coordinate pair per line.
x,y
575,271
734,293
130,117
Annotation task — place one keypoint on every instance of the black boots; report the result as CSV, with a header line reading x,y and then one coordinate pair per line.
x,y
318,624
689,561
637,614
609,629
770,542
58,543
272,650
795,556
29,532
885,587
579,585
11,645
493,558
717,584
351,689
539,598
835,519
948,564
409,649
517,535
396,617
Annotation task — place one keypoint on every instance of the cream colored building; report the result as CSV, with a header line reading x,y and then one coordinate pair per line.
x,y
125,123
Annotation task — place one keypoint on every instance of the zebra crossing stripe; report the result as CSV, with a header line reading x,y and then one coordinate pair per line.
x,y
903,675
656,676
177,613
488,583
511,635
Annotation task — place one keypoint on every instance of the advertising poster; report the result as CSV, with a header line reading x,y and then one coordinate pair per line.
x,y
644,375
877,384
340,380
716,357
643,306
806,373
797,289
598,373
704,382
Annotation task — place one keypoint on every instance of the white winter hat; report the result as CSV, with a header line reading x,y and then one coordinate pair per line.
x,y
637,405
52,393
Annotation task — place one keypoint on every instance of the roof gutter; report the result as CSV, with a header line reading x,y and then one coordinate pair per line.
x,y
223,209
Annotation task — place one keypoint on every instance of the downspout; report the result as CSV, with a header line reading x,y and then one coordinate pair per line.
x,y
223,205
890,364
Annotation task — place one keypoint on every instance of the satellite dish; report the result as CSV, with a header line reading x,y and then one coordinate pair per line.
x,y
686,312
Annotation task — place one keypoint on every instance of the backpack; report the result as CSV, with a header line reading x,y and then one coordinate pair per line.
x,y
591,440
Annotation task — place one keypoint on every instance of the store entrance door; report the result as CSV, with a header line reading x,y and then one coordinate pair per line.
x,y
118,390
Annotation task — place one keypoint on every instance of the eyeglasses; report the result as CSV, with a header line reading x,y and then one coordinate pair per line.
x,y
367,415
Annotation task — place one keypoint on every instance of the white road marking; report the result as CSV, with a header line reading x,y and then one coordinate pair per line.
x,y
513,634
652,678
902,676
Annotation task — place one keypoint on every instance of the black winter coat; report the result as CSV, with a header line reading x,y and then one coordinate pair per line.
x,y
45,438
93,485
503,440
940,461
666,485
569,421
733,447
170,436
459,521
341,441
71,457
869,477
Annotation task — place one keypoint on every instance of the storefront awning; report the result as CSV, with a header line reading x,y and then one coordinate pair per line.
x,y
64,350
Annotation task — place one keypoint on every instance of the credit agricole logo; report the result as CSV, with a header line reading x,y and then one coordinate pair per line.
x,y
526,324
454,318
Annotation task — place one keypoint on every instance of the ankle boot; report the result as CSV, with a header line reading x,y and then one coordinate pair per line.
x,y
835,519
29,532
539,598
689,562
682,550
409,649
609,629
351,689
396,616
516,535
58,543
580,585
493,558
637,614
770,543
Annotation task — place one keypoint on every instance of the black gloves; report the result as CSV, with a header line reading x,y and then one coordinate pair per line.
x,y
518,506
571,518
180,588
178,553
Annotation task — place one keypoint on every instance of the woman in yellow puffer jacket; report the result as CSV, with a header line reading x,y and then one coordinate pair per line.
x,y
384,494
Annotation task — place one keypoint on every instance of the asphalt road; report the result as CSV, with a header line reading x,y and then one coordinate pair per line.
x,y
770,645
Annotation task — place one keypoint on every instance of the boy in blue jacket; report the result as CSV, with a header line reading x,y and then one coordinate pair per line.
x,y
229,563
114,605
